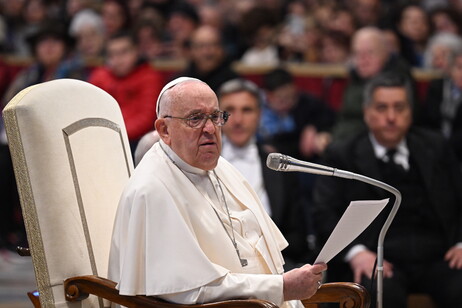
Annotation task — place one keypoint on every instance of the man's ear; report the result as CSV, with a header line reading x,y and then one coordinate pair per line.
x,y
162,130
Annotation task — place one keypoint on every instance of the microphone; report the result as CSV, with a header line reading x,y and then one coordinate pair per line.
x,y
281,162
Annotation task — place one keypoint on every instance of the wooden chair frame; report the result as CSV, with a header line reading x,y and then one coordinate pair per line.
x,y
346,294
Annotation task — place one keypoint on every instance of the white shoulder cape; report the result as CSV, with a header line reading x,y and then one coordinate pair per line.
x,y
166,237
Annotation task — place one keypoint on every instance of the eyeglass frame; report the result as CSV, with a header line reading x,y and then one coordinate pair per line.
x,y
223,115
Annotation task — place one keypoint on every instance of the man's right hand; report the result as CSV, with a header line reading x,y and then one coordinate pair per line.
x,y
303,282
363,264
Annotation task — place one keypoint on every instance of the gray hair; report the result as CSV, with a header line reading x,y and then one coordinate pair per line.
x,y
387,80
240,85
450,40
85,18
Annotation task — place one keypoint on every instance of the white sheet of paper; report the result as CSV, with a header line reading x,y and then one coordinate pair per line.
x,y
357,216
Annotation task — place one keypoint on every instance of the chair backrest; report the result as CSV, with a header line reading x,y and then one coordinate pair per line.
x,y
72,159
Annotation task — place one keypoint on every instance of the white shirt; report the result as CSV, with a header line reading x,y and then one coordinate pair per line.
x,y
247,160
401,156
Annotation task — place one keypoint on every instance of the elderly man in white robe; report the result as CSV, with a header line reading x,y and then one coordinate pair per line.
x,y
189,228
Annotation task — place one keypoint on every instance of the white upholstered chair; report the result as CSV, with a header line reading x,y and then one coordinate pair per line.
x,y
71,158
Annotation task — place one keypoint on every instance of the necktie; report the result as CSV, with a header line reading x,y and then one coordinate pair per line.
x,y
397,168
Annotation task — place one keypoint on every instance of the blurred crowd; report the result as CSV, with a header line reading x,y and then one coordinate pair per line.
x,y
113,43
257,32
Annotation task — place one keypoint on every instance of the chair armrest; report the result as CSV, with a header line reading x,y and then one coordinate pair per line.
x,y
348,294
79,288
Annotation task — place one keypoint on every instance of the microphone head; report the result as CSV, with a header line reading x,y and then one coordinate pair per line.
x,y
276,161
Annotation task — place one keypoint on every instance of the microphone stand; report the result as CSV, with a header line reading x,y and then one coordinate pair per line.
x,y
386,225
280,162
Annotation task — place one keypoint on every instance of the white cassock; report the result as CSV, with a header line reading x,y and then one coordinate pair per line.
x,y
169,242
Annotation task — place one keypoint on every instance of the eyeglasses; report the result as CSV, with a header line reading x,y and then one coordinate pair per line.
x,y
198,120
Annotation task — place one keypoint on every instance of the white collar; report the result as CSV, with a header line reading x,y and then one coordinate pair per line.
x,y
402,151
229,150
179,162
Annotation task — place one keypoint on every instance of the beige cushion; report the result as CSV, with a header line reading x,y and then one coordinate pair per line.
x,y
71,158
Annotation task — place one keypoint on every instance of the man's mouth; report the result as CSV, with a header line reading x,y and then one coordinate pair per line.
x,y
208,143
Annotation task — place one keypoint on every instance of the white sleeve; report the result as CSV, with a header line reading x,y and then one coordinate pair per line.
x,y
354,251
233,286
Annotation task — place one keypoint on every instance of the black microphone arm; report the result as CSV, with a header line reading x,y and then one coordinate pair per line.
x,y
281,162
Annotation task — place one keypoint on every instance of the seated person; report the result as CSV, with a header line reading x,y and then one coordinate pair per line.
x,y
189,228
423,246
293,122
207,58
442,110
370,56
132,82
278,192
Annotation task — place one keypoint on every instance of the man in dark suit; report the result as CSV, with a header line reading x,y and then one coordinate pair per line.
x,y
278,192
422,249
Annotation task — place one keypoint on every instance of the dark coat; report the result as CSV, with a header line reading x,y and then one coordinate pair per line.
x,y
436,163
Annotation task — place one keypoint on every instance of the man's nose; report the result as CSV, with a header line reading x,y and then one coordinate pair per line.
x,y
209,127
237,117
391,114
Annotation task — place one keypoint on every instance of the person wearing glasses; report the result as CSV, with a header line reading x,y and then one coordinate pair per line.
x,y
189,228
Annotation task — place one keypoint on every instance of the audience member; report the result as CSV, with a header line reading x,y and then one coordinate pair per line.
x,y
198,217
259,29
342,21
414,29
75,6
35,13
135,8
367,13
132,82
207,58
279,193
181,25
445,20
216,16
440,48
423,246
15,40
442,106
392,41
88,30
298,38
116,16
52,48
293,122
149,36
335,47
370,56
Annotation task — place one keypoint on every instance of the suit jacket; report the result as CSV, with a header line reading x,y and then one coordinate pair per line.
x,y
435,161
